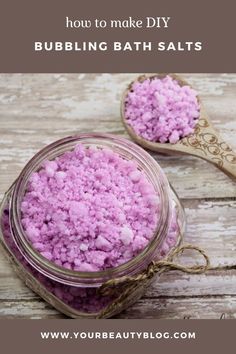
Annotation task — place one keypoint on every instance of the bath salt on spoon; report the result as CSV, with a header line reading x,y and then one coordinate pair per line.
x,y
164,114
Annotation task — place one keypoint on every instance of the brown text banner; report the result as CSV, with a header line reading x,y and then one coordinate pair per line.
x,y
137,336
122,36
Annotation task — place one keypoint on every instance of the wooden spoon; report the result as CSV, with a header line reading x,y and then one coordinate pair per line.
x,y
205,142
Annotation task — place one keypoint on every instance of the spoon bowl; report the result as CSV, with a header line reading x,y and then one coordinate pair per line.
x,y
205,142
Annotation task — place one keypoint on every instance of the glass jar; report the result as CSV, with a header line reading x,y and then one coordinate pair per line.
x,y
73,292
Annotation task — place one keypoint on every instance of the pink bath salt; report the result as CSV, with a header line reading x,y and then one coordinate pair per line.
x,y
126,235
89,209
102,243
60,176
39,246
83,247
50,168
47,255
33,233
135,175
83,299
160,110
86,267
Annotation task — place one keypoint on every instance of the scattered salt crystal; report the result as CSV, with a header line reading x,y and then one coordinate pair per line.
x,y
33,233
174,137
87,267
102,243
135,175
50,168
83,247
47,255
153,199
39,246
126,235
60,175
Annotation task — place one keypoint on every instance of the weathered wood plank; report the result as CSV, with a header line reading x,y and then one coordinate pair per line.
x,y
30,105
168,285
27,309
161,308
175,308
210,225
38,109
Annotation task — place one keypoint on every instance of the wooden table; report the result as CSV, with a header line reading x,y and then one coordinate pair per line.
x,y
37,109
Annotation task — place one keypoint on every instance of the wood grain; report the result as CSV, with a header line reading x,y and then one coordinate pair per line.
x,y
36,109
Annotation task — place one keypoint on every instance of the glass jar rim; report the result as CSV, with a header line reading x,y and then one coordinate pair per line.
x,y
78,278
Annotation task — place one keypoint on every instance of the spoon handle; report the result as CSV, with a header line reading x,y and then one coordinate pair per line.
x,y
223,157
207,144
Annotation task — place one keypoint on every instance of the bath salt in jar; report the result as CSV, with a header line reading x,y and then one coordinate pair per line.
x,y
89,222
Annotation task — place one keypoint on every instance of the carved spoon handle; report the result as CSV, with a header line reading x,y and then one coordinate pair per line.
x,y
222,155
207,144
